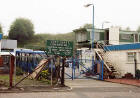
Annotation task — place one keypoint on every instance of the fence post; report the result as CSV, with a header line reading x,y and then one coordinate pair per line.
x,y
12,59
51,71
100,77
72,68
93,64
102,70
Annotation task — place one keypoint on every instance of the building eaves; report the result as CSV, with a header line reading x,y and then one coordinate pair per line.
x,y
128,32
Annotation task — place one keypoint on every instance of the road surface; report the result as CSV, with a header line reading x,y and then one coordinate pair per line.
x,y
86,88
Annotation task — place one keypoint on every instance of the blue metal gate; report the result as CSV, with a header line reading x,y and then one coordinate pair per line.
x,y
83,69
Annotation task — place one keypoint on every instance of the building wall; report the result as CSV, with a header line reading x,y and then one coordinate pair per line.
x,y
8,44
119,60
96,36
81,37
114,35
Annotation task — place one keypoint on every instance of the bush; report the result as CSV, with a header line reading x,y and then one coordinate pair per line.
x,y
44,75
19,71
128,76
138,74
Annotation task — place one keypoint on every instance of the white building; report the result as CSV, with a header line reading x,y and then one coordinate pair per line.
x,y
8,45
7,48
112,36
121,56
124,58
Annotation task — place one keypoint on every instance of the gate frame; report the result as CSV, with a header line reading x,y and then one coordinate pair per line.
x,y
101,62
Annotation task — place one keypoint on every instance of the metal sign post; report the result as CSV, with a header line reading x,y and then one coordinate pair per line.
x,y
59,48
57,65
63,72
51,71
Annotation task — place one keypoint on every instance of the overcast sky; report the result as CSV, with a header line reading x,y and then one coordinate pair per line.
x,y
62,16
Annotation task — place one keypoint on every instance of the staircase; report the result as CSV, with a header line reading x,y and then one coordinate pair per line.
x,y
111,70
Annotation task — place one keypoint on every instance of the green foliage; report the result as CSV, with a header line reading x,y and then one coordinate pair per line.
x,y
44,75
88,26
80,30
21,29
38,41
5,37
128,29
1,29
138,74
67,36
19,71
4,80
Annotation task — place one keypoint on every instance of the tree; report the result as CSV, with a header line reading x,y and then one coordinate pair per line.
x,y
128,29
88,26
1,29
21,29
80,30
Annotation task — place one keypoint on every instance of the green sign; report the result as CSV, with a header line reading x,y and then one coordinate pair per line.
x,y
61,48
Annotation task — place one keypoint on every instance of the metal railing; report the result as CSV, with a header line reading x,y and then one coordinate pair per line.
x,y
106,56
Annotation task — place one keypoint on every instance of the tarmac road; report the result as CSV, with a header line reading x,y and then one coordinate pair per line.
x,y
86,88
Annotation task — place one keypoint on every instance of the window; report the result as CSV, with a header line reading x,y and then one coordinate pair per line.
x,y
130,56
125,36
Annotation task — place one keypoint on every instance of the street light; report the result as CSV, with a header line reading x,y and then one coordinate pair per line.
x,y
104,23
92,37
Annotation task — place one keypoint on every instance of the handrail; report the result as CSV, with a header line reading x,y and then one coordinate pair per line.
x,y
104,62
107,56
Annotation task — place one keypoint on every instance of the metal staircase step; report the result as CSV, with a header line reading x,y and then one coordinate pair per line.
x,y
114,70
107,62
100,53
116,73
111,67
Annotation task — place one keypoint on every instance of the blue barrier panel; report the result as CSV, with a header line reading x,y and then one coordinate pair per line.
x,y
102,64
0,35
30,64
122,47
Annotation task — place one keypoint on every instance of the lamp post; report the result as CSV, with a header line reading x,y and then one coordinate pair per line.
x,y
92,37
104,23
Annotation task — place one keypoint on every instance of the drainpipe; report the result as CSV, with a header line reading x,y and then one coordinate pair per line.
x,y
135,61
